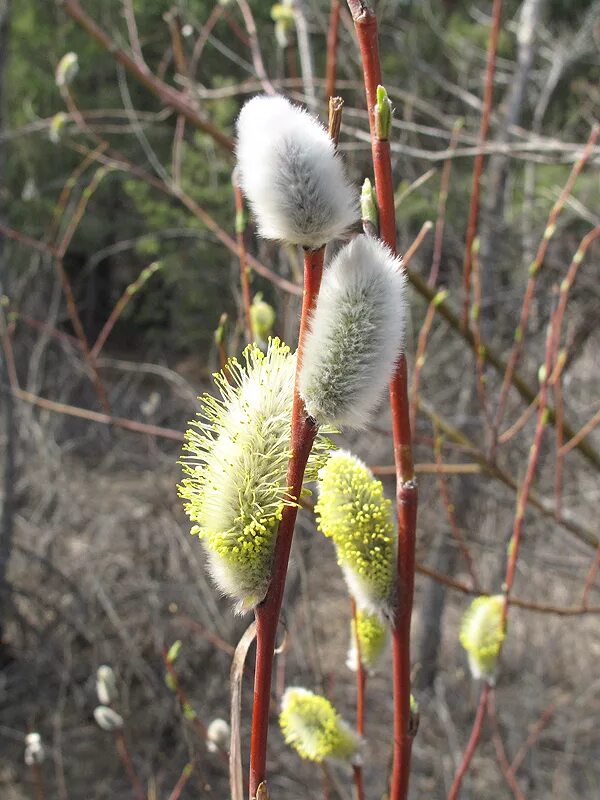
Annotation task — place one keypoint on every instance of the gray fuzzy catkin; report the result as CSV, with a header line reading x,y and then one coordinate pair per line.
x,y
291,175
356,334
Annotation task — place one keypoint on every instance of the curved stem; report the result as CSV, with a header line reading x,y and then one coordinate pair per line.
x,y
473,742
304,430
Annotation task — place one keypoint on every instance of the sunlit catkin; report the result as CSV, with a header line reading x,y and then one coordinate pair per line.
x,y
353,511
482,634
371,631
312,726
356,334
236,456
290,173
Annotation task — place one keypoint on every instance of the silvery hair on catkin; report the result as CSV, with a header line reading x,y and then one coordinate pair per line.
x,y
356,334
290,173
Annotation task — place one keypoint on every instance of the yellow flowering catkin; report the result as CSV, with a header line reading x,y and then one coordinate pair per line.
x,y
482,634
235,457
372,633
312,726
353,511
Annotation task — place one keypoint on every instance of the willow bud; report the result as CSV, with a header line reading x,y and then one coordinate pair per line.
x,y
371,630
218,736
290,173
262,316
353,510
356,334
312,726
67,69
236,457
106,685
108,719
34,749
482,634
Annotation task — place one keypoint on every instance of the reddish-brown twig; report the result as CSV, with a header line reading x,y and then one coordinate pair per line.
x,y
534,270
96,416
167,94
505,767
257,59
420,355
533,737
120,305
304,430
494,360
38,782
581,434
187,709
361,685
118,161
240,229
590,578
123,753
488,94
440,222
365,23
186,774
332,45
475,312
418,241
449,508
473,742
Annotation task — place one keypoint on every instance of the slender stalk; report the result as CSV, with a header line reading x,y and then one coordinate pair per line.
x,y
479,158
123,753
240,228
534,270
167,94
38,782
473,742
365,23
361,682
304,430
332,44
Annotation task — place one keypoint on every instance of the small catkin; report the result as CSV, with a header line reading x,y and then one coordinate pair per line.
x,y
482,634
108,719
371,630
106,685
34,749
312,726
236,457
290,173
218,735
353,511
356,334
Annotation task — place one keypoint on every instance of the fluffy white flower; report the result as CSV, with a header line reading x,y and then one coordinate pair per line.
x,y
356,334
291,175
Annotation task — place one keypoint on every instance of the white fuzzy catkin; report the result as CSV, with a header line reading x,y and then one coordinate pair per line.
x,y
291,175
356,334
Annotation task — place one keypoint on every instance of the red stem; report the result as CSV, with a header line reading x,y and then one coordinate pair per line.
x,y
473,742
303,434
123,752
361,681
406,488
479,158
